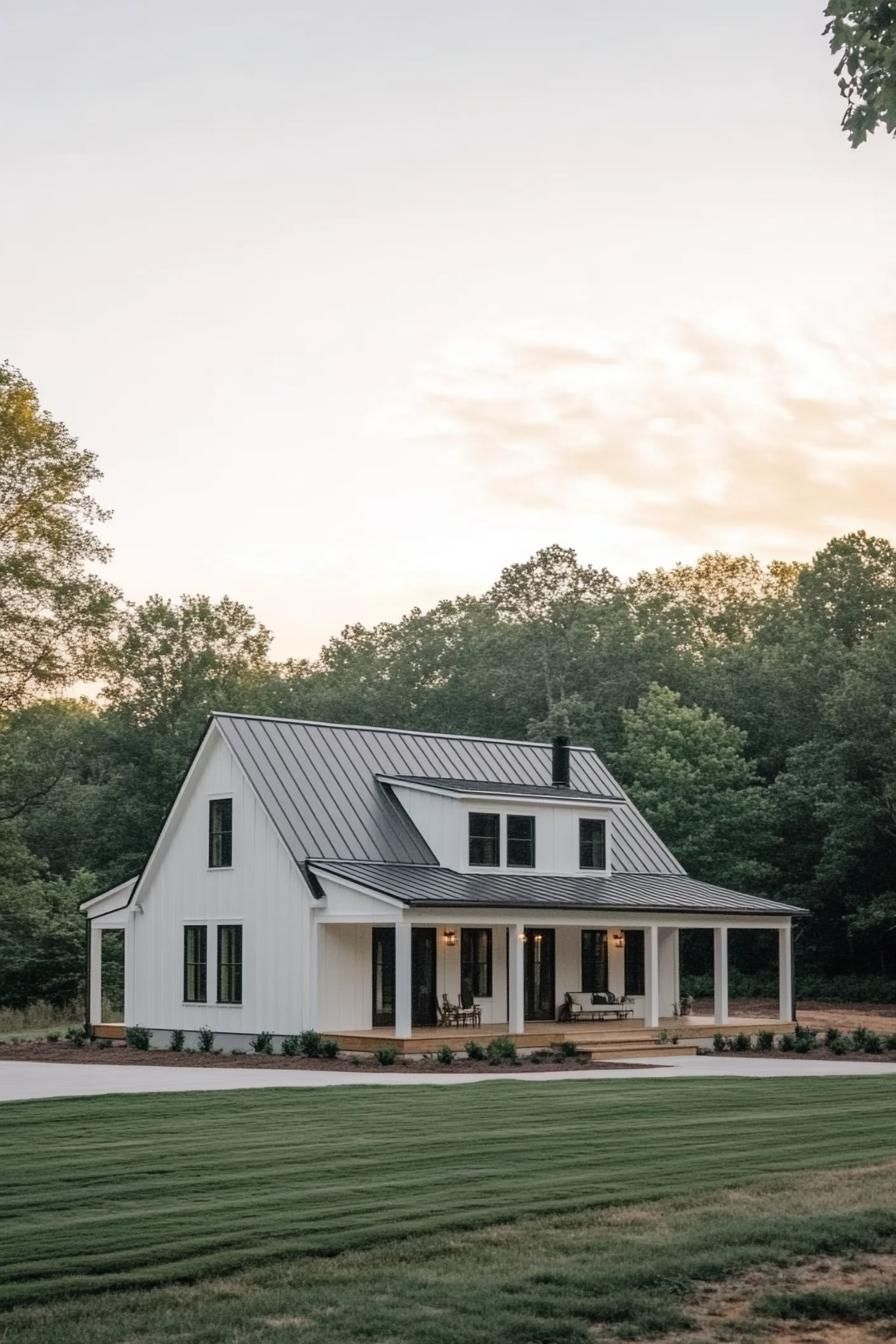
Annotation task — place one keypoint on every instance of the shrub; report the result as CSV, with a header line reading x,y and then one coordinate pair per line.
x,y
569,1049
741,1042
719,1042
177,1041
803,1044
290,1045
329,1049
237,1052
889,1043
787,1043
310,1043
873,1043
502,1050
474,1050
104,1043
445,1055
831,1035
262,1044
137,1038
840,1045
765,1040
206,1039
52,1035
386,1055
77,1035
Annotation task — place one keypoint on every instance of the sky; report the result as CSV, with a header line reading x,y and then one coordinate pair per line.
x,y
359,302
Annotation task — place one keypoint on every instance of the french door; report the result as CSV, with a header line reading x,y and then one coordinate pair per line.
x,y
539,975
423,977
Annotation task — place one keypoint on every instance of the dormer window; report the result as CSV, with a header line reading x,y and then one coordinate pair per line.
x,y
592,843
520,842
220,833
485,840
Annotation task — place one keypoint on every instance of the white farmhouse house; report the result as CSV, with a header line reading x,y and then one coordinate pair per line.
x,y
313,875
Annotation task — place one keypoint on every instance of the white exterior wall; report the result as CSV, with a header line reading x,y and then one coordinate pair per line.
x,y
263,891
443,822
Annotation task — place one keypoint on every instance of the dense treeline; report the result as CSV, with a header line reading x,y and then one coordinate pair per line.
x,y
750,709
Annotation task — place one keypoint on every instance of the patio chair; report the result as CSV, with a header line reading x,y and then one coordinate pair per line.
x,y
446,1013
469,1010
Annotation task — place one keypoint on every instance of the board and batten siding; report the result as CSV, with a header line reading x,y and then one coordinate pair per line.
x,y
263,891
443,822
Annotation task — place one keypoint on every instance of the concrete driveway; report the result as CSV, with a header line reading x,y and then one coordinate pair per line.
x,y
24,1081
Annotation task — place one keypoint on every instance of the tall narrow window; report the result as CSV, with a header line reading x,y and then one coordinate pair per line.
x,y
476,961
594,961
220,833
592,843
230,963
195,962
520,842
485,839
634,961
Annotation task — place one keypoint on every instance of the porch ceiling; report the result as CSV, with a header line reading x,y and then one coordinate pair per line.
x,y
430,885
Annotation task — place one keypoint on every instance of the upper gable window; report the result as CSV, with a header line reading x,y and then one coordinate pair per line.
x,y
220,833
520,842
485,840
592,843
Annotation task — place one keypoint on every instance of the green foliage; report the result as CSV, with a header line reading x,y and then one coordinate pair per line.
x,y
206,1040
329,1048
263,1043
741,1042
890,1041
475,1050
863,35
872,1044
720,1042
291,1045
765,1040
831,1035
176,1042
311,1044
137,1038
445,1055
77,1035
568,1049
787,1043
501,1050
385,1055
840,1045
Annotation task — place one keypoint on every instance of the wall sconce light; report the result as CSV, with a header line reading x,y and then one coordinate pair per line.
x,y
619,939
450,938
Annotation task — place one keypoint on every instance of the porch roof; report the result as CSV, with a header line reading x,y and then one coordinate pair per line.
x,y
425,884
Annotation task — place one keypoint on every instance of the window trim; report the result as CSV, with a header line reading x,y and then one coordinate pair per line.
x,y
496,816
476,963
593,868
237,1000
219,798
520,816
202,930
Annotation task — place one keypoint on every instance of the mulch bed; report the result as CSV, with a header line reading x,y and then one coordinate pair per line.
x,y
63,1052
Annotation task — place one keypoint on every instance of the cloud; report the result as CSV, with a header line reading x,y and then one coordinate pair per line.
x,y
768,431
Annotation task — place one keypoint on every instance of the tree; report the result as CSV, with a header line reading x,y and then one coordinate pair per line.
x,y
863,34
685,768
849,589
54,610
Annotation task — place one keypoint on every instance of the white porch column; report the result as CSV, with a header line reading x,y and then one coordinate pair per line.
x,y
651,976
402,979
312,966
720,975
785,974
516,997
95,988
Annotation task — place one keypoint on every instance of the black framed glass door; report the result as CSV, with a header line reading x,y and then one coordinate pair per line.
x,y
383,977
539,975
423,977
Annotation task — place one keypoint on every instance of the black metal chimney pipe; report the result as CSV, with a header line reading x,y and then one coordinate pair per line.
x,y
560,763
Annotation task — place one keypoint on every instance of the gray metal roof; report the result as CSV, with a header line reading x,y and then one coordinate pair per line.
x,y
421,886
549,792
319,784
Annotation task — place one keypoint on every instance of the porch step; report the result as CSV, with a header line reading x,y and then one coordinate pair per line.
x,y
109,1031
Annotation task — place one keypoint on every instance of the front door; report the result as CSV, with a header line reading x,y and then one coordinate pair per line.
x,y
539,971
423,977
383,977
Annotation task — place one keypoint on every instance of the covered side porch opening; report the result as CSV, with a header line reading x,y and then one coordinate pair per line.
x,y
383,980
108,980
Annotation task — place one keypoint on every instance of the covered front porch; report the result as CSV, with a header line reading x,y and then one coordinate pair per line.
x,y
382,982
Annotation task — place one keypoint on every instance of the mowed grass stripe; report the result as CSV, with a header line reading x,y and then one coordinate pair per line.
x,y
106,1191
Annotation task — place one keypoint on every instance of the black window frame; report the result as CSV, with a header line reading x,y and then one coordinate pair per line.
x,y
232,967
483,838
197,963
595,944
473,966
220,837
586,846
521,840
634,961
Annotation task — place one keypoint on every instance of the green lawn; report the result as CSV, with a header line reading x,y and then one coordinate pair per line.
x,y
589,1202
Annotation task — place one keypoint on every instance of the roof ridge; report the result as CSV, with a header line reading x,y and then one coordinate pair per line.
x,y
374,728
